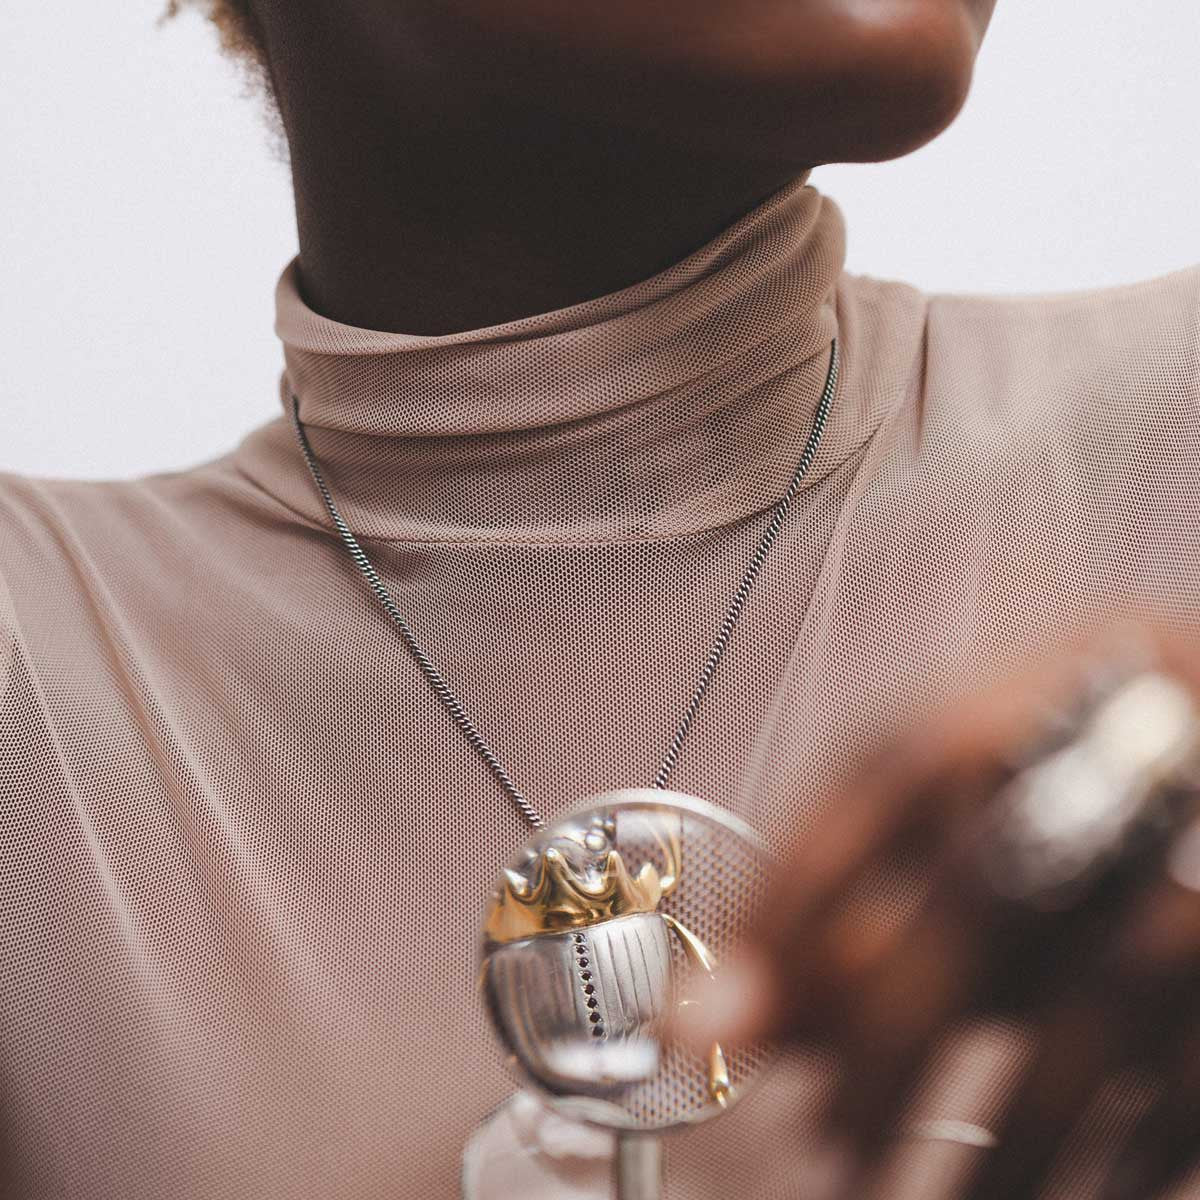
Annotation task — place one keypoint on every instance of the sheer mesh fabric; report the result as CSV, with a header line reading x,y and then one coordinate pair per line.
x,y
243,851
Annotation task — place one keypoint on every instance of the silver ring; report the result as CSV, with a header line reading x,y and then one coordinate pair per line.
x,y
1062,820
961,1133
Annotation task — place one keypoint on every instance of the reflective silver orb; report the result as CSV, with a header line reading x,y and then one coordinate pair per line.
x,y
591,939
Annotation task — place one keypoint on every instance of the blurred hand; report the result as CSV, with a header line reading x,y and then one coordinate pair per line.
x,y
1105,972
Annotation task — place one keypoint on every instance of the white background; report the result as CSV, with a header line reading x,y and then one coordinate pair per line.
x,y
146,214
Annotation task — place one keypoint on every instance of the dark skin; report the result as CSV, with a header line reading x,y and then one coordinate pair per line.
x,y
467,163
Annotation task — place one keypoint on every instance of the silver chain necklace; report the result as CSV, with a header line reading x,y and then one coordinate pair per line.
x,y
445,694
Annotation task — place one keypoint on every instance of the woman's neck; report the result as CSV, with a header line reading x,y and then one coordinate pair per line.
x,y
451,236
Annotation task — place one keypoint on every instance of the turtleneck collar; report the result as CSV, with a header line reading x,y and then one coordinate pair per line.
x,y
674,405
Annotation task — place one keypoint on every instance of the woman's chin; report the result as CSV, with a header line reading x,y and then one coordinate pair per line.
x,y
816,80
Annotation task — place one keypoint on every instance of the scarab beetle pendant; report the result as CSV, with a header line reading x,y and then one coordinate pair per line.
x,y
577,965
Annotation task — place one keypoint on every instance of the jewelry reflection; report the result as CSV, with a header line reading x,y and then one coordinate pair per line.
x,y
578,958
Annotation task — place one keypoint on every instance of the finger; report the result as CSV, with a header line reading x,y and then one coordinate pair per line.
x,y
1165,1143
1159,950
865,986
876,983
1133,1001
1161,937
890,1034
966,952
1076,1053
962,952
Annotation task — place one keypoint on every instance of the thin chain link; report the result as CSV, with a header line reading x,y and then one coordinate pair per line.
x,y
436,680
445,693
778,516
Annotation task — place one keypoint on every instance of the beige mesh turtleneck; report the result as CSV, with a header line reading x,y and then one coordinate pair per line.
x,y
242,849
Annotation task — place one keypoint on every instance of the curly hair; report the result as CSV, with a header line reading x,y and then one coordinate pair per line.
x,y
234,24
242,43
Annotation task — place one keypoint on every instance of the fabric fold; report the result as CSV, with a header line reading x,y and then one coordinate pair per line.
x,y
671,406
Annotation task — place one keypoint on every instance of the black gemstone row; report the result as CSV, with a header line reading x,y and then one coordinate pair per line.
x,y
589,988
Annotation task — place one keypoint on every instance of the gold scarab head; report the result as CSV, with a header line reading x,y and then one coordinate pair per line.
x,y
579,878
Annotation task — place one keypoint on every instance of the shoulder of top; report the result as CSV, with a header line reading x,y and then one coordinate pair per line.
x,y
19,487
39,515
1084,334
52,528
1179,287
21,492
1182,283
1099,355
1090,335
33,507
22,495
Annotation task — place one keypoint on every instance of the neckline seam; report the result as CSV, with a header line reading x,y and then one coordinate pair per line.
x,y
404,541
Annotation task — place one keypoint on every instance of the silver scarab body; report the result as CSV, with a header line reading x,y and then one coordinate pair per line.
x,y
578,958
